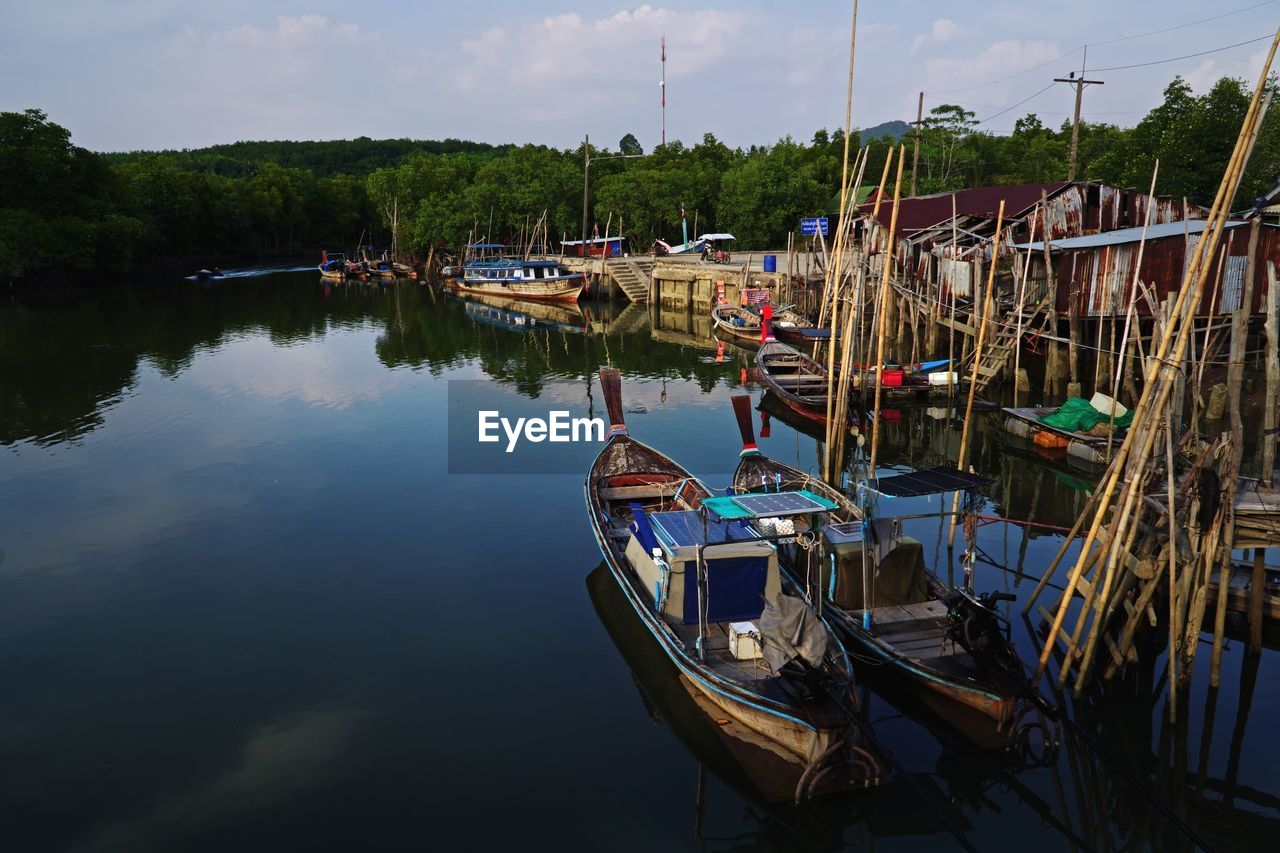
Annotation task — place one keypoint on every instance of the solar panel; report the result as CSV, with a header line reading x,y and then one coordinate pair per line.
x,y
779,503
684,529
844,533
931,481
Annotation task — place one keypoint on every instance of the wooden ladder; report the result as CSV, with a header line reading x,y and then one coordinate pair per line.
x,y
998,351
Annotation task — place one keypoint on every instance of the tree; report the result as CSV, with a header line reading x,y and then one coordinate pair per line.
x,y
944,149
762,198
630,145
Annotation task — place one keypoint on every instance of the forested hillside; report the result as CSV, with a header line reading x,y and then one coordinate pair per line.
x,y
67,210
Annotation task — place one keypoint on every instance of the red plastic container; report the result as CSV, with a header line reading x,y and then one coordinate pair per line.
x,y
891,378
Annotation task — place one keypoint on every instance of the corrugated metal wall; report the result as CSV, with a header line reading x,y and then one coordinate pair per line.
x,y
1101,279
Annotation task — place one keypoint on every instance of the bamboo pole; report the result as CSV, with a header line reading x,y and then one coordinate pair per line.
x,y
1018,303
848,119
977,360
1130,309
848,332
1173,566
951,335
884,301
1153,395
835,273
1235,378
1273,376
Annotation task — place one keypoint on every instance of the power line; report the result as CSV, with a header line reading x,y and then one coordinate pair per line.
x,y
1114,41
1183,26
1010,77
1126,67
1176,58
1015,106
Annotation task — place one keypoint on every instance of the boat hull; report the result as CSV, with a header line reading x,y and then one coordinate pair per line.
x,y
567,291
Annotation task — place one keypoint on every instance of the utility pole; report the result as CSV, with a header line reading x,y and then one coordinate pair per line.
x,y
586,179
1079,83
915,155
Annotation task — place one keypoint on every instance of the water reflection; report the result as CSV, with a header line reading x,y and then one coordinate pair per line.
x,y
233,600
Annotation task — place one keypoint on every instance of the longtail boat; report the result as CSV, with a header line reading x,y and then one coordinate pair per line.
x,y
545,281
946,642
333,265
742,326
707,586
797,380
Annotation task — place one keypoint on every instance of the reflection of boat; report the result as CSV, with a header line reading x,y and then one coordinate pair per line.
x,y
709,591
523,316
942,639
516,279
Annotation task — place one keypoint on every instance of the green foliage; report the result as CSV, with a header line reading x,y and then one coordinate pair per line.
x,y
65,208
630,145
762,198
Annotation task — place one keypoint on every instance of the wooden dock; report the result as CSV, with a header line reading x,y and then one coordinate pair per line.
x,y
680,281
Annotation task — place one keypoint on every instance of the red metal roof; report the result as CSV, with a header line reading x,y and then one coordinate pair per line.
x,y
925,211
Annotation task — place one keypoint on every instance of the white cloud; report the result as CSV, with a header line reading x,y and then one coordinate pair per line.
x,y
566,48
996,61
1203,76
943,31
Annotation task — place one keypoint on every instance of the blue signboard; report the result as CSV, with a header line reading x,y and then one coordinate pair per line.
x,y
812,225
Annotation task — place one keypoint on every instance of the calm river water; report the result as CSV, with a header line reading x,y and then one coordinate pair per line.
x,y
244,604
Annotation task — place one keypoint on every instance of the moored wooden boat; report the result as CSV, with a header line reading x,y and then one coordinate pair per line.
x,y
742,326
333,265
1240,587
702,584
544,281
944,641
797,380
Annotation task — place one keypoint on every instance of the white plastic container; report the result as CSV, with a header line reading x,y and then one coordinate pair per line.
x,y
1106,405
744,641
949,377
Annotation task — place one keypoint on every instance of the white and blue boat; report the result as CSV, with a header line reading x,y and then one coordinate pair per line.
x,y
705,581
516,278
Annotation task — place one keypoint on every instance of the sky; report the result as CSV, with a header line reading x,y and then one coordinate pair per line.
x,y
153,74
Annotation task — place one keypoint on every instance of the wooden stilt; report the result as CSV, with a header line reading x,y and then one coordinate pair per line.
x,y
1273,376
977,359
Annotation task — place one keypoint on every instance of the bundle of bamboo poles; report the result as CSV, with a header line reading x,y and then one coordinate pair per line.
x,y
1133,539
886,259
846,294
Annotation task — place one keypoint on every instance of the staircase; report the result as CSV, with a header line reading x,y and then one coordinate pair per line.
x,y
999,350
632,276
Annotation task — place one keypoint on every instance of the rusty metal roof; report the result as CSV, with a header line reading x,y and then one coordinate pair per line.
x,y
1125,235
920,212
